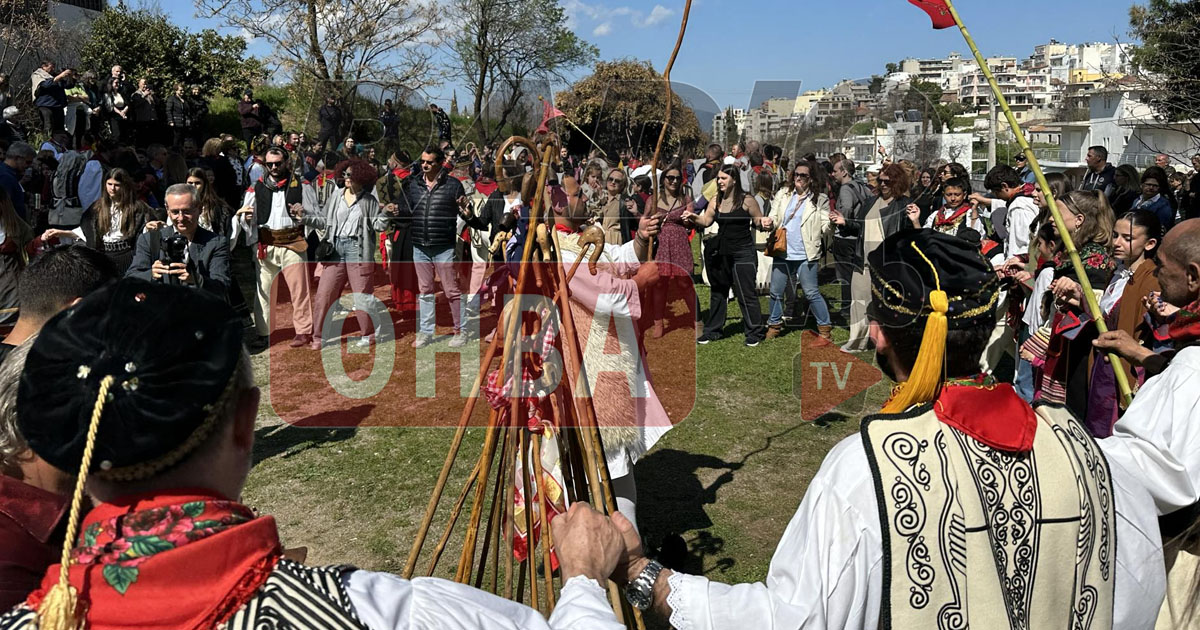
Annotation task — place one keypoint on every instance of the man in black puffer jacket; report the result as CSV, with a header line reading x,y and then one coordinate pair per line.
x,y
436,200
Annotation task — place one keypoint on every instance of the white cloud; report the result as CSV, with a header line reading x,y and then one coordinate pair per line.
x,y
658,14
578,12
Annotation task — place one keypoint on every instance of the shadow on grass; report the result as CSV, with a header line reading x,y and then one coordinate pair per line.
x,y
286,440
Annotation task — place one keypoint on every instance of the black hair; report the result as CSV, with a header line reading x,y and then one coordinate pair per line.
x,y
642,183
1048,234
59,275
436,151
1001,176
957,182
1150,223
1100,152
739,195
964,347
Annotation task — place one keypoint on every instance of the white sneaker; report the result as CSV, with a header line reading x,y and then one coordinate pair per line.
x,y
422,340
364,342
459,340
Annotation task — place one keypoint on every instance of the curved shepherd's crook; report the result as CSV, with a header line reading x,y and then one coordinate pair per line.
x,y
662,135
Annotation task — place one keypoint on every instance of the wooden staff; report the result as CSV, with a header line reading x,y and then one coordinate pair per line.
x,y
462,498
662,134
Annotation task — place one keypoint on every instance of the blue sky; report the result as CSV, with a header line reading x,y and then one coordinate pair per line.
x,y
731,44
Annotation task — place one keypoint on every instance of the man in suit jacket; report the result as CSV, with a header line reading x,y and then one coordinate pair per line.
x,y
206,259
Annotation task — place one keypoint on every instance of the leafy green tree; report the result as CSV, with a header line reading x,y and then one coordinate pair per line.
x,y
1168,59
621,106
146,44
505,49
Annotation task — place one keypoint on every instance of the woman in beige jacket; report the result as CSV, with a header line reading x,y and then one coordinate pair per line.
x,y
802,208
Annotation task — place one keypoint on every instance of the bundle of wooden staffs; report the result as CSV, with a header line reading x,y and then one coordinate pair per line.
x,y
487,543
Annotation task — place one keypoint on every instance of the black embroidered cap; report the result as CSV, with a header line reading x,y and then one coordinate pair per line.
x,y
910,265
171,353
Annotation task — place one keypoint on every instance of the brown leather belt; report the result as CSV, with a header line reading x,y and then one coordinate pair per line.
x,y
289,238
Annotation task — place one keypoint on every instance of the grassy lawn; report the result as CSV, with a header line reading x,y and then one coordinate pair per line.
x,y
728,477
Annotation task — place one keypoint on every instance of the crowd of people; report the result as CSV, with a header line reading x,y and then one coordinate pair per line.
x,y
966,293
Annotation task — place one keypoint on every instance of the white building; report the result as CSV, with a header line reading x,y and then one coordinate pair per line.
x,y
76,14
718,130
1127,127
944,72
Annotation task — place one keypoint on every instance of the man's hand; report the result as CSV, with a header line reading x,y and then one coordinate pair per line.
x,y
391,208
634,560
587,543
154,226
159,269
647,274
464,208
1161,311
1123,345
245,212
296,210
979,198
837,217
649,226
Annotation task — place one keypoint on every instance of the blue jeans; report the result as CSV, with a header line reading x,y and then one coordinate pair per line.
x,y
1023,382
440,259
804,272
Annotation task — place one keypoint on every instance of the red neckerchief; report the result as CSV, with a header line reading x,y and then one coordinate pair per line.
x,y
558,227
940,221
991,413
1184,329
401,173
189,559
486,186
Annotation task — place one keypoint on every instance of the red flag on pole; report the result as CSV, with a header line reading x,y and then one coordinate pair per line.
x,y
938,12
549,112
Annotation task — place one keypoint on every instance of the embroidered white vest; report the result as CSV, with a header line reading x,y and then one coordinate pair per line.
x,y
980,538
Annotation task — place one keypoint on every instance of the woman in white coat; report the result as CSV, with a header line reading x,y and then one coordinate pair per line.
x,y
801,207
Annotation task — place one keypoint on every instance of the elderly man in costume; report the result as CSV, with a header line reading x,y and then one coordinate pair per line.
x,y
144,390
1158,436
978,511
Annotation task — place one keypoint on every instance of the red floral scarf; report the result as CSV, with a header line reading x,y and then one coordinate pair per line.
x,y
182,560
1185,328
952,220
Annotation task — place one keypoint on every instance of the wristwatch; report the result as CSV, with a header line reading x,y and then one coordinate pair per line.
x,y
640,592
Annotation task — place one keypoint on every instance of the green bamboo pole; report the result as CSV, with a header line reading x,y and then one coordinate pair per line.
x,y
1089,296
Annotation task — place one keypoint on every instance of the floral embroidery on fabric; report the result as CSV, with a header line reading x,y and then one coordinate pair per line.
x,y
124,542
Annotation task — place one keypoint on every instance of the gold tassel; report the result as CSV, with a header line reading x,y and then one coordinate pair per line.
x,y
927,373
60,610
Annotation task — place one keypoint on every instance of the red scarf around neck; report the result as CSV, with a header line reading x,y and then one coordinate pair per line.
x,y
186,559
1185,328
940,221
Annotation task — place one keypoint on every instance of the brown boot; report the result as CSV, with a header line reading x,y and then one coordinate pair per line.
x,y
774,331
825,332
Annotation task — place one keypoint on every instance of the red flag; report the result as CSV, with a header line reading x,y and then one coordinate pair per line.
x,y
938,12
549,112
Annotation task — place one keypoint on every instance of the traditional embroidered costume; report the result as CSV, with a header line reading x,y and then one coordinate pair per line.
x,y
134,380
979,511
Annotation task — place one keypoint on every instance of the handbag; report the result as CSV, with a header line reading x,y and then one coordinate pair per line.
x,y
777,241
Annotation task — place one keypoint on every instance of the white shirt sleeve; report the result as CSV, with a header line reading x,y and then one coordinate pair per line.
x,y
826,572
1020,215
1158,436
89,183
386,602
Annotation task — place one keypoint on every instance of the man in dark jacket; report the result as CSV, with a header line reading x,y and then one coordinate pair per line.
x,y
50,96
179,116
205,262
436,200
251,111
441,123
330,117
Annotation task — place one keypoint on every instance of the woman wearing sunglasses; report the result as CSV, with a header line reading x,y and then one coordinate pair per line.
x,y
674,254
881,217
801,207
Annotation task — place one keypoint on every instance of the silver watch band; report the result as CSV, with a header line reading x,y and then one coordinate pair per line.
x,y
640,592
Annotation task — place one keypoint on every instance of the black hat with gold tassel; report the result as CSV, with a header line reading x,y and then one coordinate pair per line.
x,y
934,280
124,385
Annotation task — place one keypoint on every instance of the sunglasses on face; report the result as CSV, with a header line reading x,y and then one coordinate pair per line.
x,y
885,182
428,161
615,180
274,164
802,176
672,178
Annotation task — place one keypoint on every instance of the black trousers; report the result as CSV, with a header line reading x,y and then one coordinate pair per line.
x,y
178,134
327,139
845,263
736,271
53,119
